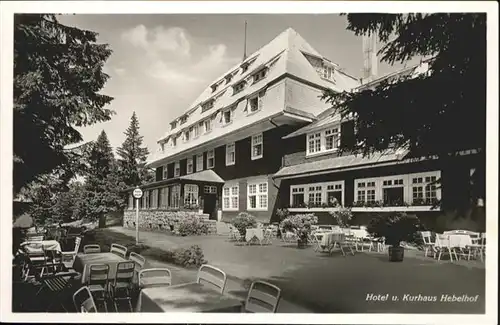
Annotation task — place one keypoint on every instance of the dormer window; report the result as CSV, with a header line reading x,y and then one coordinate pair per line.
x,y
227,117
239,87
196,131
328,72
186,136
184,119
245,65
174,141
173,125
228,78
207,105
323,141
214,87
208,125
259,75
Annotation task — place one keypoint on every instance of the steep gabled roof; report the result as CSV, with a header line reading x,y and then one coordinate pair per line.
x,y
289,49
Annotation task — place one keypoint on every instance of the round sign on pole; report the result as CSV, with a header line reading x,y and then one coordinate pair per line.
x,y
137,193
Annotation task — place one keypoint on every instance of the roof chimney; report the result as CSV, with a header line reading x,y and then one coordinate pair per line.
x,y
370,60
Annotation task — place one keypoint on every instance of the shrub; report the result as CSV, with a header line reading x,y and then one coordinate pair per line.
x,y
192,226
300,224
243,221
396,228
282,214
343,216
189,257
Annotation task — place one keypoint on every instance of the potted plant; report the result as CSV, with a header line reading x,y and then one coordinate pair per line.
x,y
300,224
395,228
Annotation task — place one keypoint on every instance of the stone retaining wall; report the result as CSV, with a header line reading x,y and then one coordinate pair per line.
x,y
165,220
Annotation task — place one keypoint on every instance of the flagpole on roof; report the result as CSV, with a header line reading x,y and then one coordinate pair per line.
x,y
245,43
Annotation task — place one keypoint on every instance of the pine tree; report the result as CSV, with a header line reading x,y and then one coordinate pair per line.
x,y
132,156
102,187
58,73
439,113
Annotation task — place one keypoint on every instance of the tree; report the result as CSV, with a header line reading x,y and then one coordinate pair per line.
x,y
133,156
103,188
439,113
57,78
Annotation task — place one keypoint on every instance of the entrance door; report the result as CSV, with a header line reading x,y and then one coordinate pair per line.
x,y
209,205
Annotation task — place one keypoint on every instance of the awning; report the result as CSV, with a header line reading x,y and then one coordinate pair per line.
x,y
338,164
203,176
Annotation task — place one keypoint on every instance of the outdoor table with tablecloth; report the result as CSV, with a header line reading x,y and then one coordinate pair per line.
x,y
37,247
188,298
83,262
254,232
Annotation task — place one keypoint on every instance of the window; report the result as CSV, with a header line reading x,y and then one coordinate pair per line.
x,y
160,197
196,131
165,172
227,117
332,138
315,195
174,141
208,125
177,169
230,154
238,87
323,141
173,125
424,190
259,75
230,197
184,119
199,162
334,195
189,166
208,105
214,87
328,72
210,159
257,147
257,196
393,192
255,103
209,189
154,199
191,132
130,201
190,195
297,197
314,143
175,195
186,136
228,78
164,197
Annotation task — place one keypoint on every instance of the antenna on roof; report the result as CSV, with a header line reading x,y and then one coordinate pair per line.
x,y
245,43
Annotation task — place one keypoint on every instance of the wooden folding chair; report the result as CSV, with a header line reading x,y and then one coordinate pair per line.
x,y
123,283
212,276
57,287
155,277
263,297
87,305
98,282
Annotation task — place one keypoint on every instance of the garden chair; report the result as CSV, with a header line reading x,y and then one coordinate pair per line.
x,y
268,236
212,276
427,240
35,238
155,277
56,288
442,246
98,282
316,239
119,250
91,249
87,305
120,288
139,261
262,297
68,258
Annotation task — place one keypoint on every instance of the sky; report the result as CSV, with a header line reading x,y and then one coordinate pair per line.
x,y
161,63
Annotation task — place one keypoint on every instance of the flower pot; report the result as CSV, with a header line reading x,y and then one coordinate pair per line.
x,y
302,242
396,253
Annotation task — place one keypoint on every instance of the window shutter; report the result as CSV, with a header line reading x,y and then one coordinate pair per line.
x,y
347,134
